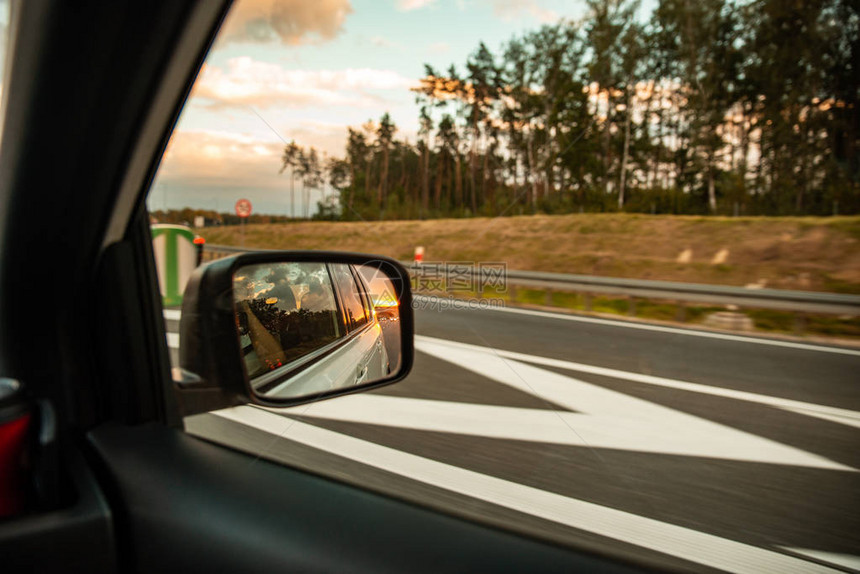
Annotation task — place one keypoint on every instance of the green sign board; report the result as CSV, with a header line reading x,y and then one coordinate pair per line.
x,y
175,259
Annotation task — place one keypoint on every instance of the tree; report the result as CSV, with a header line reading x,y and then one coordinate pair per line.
x,y
608,25
357,152
310,172
290,160
384,137
425,133
481,93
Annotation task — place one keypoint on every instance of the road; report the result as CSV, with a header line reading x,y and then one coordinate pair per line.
x,y
683,449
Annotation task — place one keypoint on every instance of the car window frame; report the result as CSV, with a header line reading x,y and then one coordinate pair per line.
x,y
368,319
337,302
364,292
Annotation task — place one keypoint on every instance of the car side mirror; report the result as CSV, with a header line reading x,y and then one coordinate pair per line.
x,y
281,328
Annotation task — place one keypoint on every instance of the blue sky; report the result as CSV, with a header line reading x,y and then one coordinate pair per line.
x,y
305,70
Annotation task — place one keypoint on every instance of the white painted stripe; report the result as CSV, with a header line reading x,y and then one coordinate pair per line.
x,y
511,423
843,560
852,421
173,340
673,330
835,414
684,543
612,421
172,314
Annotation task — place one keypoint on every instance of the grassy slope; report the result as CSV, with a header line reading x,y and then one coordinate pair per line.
x,y
791,253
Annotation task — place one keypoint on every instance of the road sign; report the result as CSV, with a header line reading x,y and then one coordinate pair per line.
x,y
243,208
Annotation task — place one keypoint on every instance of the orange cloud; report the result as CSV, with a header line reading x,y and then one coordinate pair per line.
x,y
250,82
288,21
212,169
220,160
228,159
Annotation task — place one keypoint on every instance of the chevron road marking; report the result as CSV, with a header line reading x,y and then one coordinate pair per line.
x,y
603,418
834,414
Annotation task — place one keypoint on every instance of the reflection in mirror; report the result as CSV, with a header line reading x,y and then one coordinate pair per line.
x,y
383,297
308,328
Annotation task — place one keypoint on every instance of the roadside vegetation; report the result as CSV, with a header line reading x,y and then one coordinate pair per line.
x,y
778,322
818,254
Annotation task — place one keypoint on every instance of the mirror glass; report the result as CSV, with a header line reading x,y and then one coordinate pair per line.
x,y
306,328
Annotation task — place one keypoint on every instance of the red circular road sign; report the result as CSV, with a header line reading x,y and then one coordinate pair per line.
x,y
243,208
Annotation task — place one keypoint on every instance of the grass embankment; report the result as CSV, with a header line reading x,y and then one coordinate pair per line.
x,y
816,254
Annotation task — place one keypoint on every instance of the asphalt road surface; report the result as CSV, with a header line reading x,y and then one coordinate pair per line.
x,y
682,449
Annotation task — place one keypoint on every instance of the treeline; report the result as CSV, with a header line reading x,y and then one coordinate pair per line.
x,y
187,215
706,106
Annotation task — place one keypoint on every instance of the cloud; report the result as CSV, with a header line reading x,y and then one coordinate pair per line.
x,y
220,160
228,159
516,9
409,5
211,169
249,82
327,137
288,21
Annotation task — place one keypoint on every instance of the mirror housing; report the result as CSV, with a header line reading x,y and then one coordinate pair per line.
x,y
212,372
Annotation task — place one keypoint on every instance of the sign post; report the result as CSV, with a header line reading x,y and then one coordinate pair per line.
x,y
243,210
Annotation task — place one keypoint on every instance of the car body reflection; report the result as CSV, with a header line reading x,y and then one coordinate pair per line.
x,y
309,328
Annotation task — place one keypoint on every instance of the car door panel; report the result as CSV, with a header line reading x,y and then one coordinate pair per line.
x,y
191,505
78,536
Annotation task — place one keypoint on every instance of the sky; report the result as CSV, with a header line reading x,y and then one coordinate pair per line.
x,y
305,70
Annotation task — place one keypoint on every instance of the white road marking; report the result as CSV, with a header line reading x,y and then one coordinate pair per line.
x,y
852,420
172,314
842,560
605,419
638,431
173,340
684,543
673,330
834,414
448,417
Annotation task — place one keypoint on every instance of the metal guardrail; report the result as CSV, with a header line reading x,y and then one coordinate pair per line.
x,y
679,293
